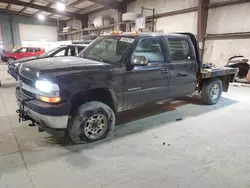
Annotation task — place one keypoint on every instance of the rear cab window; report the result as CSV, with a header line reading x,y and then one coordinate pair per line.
x,y
179,49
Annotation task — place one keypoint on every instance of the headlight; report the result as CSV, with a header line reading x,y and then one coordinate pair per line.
x,y
46,86
16,64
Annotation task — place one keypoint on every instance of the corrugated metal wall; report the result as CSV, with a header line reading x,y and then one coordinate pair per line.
x,y
10,25
181,23
227,19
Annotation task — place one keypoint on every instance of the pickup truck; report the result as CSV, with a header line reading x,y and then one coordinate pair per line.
x,y
80,96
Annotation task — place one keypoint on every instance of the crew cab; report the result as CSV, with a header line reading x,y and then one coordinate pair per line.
x,y
80,96
23,52
64,50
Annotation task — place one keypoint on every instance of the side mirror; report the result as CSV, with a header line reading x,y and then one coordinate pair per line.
x,y
139,60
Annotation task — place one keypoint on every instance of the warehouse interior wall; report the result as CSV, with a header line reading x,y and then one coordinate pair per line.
x,y
227,19
178,23
186,22
10,28
161,6
110,13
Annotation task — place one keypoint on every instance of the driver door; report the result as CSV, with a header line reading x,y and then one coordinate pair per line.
x,y
149,83
22,53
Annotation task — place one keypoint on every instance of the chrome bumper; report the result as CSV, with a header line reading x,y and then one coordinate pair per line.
x,y
54,122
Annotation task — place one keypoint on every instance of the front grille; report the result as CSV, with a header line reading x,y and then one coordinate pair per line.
x,y
26,81
27,93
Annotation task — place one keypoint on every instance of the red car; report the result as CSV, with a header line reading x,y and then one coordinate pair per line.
x,y
23,52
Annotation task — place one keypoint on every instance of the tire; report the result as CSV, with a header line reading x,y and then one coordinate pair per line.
x,y
209,92
83,122
10,60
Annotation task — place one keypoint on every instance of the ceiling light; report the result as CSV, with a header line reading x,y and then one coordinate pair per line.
x,y
60,6
41,17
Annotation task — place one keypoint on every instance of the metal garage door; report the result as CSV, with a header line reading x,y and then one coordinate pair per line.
x,y
37,33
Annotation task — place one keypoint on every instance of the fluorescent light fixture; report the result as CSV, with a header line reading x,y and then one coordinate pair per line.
x,y
41,17
60,7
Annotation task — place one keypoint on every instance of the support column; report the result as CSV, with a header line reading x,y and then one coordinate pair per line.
x,y
202,24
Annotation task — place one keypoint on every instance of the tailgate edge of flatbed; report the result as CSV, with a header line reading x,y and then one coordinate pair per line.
x,y
209,73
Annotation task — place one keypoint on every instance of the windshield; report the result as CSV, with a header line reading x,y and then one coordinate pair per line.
x,y
108,49
48,53
15,51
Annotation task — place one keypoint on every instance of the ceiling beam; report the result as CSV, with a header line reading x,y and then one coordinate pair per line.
x,y
16,12
7,8
43,8
109,4
31,2
48,5
75,3
97,10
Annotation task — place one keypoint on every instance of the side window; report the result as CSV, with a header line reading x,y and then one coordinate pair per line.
x,y
23,50
30,49
60,53
179,50
152,49
37,49
70,51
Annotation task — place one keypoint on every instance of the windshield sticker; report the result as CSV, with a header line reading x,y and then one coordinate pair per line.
x,y
128,40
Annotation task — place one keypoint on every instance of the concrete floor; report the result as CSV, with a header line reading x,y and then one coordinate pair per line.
x,y
210,147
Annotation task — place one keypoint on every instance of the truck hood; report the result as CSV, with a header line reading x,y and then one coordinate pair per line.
x,y
55,63
55,66
24,60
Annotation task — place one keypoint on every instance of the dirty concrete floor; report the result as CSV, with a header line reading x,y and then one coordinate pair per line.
x,y
209,147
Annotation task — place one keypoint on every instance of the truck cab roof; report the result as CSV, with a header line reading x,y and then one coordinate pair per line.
x,y
141,34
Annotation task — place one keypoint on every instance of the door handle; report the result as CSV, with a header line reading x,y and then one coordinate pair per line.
x,y
164,70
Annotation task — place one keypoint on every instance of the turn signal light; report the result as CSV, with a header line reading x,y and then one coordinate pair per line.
x,y
116,32
50,99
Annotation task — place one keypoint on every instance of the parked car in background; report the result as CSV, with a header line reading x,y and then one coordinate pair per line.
x,y
68,50
21,53
241,63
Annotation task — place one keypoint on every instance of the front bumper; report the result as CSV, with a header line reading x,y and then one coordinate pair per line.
x,y
4,58
49,117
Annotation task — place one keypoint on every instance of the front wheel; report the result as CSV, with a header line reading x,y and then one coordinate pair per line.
x,y
91,122
211,91
10,60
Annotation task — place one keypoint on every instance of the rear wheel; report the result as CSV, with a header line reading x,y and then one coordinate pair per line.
x,y
91,122
211,91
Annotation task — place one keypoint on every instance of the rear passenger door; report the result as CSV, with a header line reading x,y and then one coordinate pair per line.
x,y
183,66
37,52
32,52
